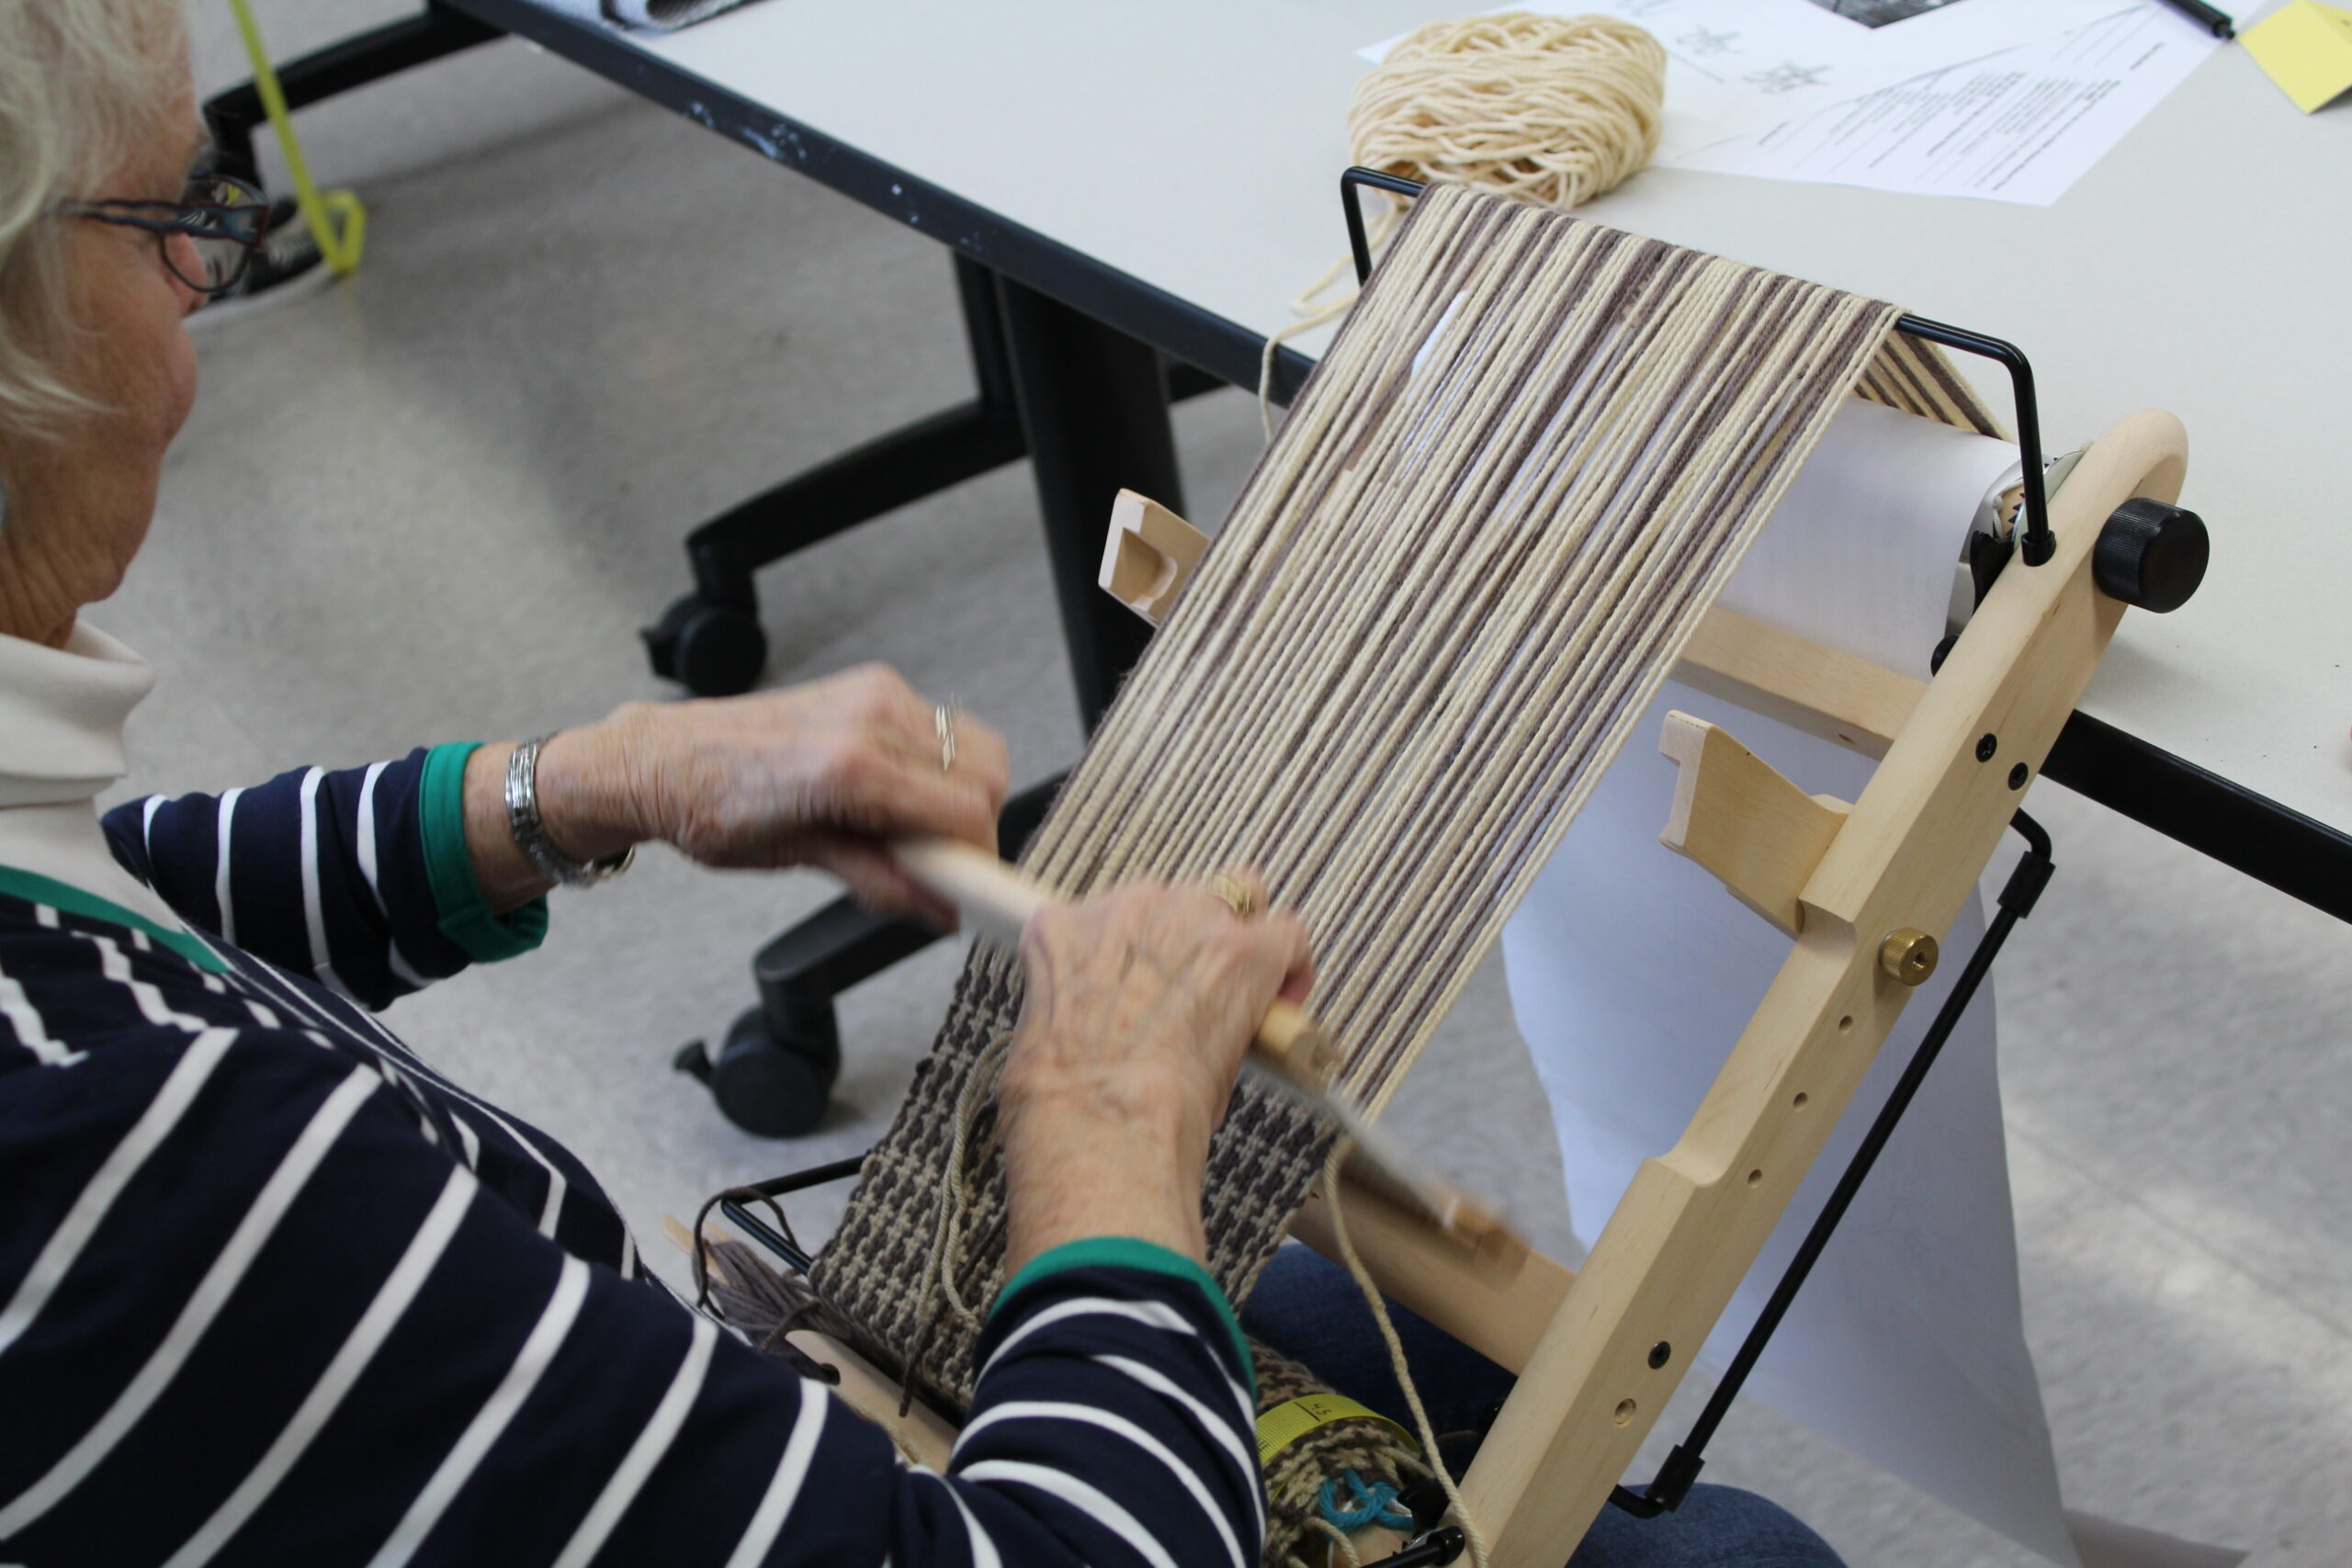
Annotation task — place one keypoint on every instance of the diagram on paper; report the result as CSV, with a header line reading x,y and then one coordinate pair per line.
x,y
1705,45
1788,77
1738,67
2021,126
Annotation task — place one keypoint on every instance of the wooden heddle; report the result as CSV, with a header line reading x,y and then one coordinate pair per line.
x,y
1496,519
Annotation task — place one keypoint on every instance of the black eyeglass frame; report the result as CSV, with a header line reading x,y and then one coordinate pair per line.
x,y
243,223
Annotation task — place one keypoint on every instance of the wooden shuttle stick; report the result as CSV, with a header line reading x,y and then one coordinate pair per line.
x,y
998,899
1291,1049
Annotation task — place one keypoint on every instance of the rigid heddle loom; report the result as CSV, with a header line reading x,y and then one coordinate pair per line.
x,y
1496,519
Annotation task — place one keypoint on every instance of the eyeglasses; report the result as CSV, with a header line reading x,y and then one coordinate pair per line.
x,y
208,237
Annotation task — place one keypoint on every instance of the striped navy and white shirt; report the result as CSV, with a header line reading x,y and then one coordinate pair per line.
x,y
274,1291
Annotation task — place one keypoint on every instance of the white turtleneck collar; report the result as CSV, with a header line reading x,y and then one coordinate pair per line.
x,y
61,713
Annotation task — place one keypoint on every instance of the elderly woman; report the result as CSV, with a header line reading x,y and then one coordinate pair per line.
x,y
273,1290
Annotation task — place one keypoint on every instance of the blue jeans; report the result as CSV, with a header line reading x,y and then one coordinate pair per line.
x,y
1308,1309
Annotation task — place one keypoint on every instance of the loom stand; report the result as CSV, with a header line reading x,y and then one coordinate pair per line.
x,y
1905,859
1600,1351
1862,890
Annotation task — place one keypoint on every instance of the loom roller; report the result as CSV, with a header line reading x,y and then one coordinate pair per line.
x,y
1291,1054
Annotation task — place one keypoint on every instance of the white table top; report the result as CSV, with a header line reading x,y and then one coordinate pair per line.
x,y
2202,266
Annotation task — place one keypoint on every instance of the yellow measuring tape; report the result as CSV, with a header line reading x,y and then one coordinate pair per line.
x,y
1291,1419
338,246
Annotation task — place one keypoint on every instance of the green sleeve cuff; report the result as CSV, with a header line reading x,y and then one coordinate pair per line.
x,y
466,916
1128,1252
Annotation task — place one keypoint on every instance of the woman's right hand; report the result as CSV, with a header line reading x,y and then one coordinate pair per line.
x,y
1138,1007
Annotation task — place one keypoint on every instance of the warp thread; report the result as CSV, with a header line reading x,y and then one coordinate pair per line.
x,y
1515,482
1553,110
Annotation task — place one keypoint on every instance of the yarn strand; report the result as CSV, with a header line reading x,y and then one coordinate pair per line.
x,y
1549,110
1459,1510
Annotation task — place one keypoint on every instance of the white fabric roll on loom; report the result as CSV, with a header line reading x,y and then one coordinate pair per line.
x,y
1631,971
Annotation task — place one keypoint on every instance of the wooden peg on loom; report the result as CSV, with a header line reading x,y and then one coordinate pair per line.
x,y
1291,1047
1736,816
1148,554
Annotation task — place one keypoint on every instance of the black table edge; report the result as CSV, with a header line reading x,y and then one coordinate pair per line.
x,y
2252,833
1152,315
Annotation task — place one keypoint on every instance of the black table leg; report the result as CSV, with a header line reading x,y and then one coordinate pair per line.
x,y
1094,409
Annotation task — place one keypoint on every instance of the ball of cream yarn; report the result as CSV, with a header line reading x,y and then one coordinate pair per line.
x,y
1550,109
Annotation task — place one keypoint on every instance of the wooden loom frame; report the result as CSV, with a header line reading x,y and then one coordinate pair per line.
x,y
1853,886
1600,1351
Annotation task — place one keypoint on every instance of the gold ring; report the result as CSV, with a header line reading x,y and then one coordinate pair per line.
x,y
943,719
1239,896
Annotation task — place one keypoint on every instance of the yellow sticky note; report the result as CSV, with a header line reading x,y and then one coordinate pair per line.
x,y
2307,49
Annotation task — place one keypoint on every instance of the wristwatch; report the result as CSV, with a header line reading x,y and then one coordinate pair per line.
x,y
531,837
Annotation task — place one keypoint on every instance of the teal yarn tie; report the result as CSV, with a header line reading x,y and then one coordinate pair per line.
x,y
1374,1504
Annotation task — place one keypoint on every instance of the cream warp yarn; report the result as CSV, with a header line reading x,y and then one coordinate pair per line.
x,y
1549,110
1507,494
1554,110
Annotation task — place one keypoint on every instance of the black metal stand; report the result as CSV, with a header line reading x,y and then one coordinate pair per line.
x,y
1681,1469
1433,1550
367,57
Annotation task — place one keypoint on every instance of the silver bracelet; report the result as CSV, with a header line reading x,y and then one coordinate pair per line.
x,y
530,835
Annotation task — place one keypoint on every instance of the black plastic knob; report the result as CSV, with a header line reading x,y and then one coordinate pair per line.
x,y
2149,555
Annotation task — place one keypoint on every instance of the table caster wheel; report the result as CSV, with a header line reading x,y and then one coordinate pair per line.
x,y
777,1087
2149,555
715,650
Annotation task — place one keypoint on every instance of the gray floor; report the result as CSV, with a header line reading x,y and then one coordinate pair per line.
x,y
437,499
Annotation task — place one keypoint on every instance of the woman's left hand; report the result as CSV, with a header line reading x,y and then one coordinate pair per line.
x,y
816,774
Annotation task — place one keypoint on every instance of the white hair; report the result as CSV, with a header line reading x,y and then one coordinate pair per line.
x,y
81,82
